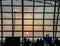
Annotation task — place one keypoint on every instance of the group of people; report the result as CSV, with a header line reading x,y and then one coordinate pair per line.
x,y
27,42
46,41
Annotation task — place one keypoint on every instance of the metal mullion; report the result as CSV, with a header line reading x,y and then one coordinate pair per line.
x,y
57,21
28,25
33,22
27,19
43,17
22,20
30,5
29,31
54,20
34,12
1,24
12,19
34,37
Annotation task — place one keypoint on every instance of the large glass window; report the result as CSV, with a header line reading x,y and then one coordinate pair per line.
x,y
32,19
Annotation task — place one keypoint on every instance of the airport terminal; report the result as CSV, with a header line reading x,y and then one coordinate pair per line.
x,y
29,22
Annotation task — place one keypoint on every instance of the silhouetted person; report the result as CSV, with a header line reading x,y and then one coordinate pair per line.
x,y
41,42
25,42
12,41
47,40
57,42
28,42
37,42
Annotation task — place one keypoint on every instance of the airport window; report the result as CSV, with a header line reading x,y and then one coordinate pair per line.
x,y
29,18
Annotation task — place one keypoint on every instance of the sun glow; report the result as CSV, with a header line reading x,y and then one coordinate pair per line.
x,y
27,33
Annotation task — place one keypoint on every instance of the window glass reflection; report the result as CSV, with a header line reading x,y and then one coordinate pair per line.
x,y
38,22
17,2
6,9
18,28
7,34
28,28
38,28
28,9
48,28
7,28
17,34
6,2
38,34
7,15
7,22
28,22
17,9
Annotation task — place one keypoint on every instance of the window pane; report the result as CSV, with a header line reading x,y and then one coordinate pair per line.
x,y
28,9
48,22
58,28
7,22
18,22
38,28
38,9
48,9
48,16
7,15
18,28
28,22
6,9
29,16
0,28
17,2
48,28
7,28
17,34
28,2
17,15
17,9
38,16
38,34
38,22
58,34
7,34
28,28
6,2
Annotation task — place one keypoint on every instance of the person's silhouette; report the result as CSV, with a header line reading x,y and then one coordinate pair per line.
x,y
28,42
48,40
25,42
41,42
57,42
37,42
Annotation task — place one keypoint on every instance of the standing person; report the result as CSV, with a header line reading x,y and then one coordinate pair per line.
x,y
25,42
57,42
28,42
37,43
47,40
41,42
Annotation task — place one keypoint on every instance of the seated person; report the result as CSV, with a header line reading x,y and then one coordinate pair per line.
x,y
47,39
